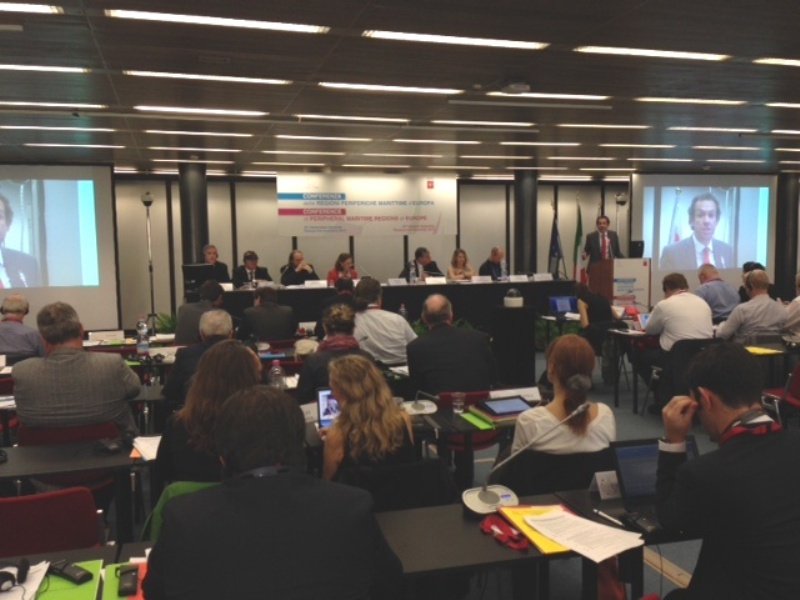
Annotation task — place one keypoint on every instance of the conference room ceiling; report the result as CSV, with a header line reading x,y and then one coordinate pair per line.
x,y
608,136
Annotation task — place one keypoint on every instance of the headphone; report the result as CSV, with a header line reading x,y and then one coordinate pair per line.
x,y
7,580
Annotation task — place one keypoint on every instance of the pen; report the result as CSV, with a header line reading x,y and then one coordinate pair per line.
x,y
600,513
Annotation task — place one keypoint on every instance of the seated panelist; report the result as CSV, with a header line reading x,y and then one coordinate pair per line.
x,y
249,272
297,271
343,268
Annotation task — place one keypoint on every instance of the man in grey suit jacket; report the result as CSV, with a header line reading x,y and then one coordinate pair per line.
x,y
267,320
593,249
71,387
701,248
187,329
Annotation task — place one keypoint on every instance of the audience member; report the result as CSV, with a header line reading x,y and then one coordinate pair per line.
x,y
270,530
249,273
792,324
297,271
267,320
338,321
679,316
371,429
449,359
596,316
344,295
187,451
422,266
382,333
210,255
721,296
71,387
187,329
761,315
740,499
570,362
460,269
215,326
342,268
752,266
17,340
494,264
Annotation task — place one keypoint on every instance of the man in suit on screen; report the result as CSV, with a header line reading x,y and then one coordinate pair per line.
x,y
603,243
17,269
701,248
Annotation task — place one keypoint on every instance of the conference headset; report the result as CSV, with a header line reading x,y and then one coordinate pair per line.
x,y
8,580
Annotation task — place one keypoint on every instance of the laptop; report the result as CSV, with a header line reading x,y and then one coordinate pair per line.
x,y
327,407
561,305
643,319
636,462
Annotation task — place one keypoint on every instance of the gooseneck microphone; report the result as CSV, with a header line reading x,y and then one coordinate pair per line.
x,y
483,500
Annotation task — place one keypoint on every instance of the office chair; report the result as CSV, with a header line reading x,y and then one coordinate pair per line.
x,y
788,396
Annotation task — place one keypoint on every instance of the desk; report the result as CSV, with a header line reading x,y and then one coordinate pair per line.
x,y
58,459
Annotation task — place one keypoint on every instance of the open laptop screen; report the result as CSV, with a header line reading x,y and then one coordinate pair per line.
x,y
637,463
563,304
327,407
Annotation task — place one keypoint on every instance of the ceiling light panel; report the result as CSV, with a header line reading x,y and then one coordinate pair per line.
x,y
545,96
322,138
43,68
450,39
712,101
208,133
141,15
353,118
486,123
201,111
366,87
39,9
650,53
198,77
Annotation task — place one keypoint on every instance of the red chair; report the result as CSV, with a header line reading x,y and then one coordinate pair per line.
x,y
48,523
788,395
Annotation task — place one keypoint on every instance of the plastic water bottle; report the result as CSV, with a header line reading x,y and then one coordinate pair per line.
x,y
403,312
142,339
277,376
412,273
503,270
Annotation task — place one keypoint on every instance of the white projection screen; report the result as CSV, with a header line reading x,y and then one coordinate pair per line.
x,y
59,244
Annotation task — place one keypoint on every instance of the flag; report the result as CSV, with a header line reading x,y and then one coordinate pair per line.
x,y
579,269
556,253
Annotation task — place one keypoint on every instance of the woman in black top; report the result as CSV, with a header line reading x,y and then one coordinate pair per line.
x,y
596,315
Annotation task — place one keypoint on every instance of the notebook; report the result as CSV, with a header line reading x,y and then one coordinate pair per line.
x,y
636,462
561,305
327,407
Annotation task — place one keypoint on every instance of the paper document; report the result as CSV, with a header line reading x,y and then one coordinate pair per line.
x,y
531,394
291,381
35,576
400,370
147,446
7,402
309,411
6,370
595,541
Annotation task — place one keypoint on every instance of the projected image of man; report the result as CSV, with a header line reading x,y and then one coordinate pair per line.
x,y
17,269
701,248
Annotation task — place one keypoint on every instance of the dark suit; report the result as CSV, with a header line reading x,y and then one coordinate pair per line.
x,y
447,359
743,501
269,321
22,269
186,360
187,328
681,256
493,269
289,276
288,535
240,276
431,269
594,248
221,273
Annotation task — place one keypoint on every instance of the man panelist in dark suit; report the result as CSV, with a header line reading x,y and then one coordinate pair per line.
x,y
740,499
603,243
210,255
267,320
17,269
270,530
701,248
249,272
422,266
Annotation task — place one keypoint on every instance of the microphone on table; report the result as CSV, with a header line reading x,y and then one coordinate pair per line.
x,y
483,500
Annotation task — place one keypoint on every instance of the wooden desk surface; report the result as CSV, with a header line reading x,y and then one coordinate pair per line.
x,y
36,461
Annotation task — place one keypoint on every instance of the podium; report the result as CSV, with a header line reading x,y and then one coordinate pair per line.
x,y
621,281
601,278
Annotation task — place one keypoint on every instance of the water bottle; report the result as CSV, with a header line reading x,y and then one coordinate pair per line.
x,y
403,312
412,273
142,339
503,270
277,376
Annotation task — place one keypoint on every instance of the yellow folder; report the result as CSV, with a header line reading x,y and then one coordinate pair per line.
x,y
516,516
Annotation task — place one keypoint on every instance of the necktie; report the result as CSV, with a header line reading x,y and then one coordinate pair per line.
x,y
605,246
706,256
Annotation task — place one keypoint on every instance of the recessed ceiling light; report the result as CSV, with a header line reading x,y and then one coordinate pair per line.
x,y
486,123
582,158
355,166
521,168
225,78
125,170
786,131
394,155
565,178
713,129
142,15
193,160
322,138
550,96
459,167
493,176
201,111
450,39
289,164
787,149
303,152
783,62
452,142
662,146
43,68
601,126
354,118
54,105
754,148
606,169
166,172
364,87
782,104
660,159
789,162
571,144
691,101
217,173
258,173
732,160
42,9
651,53
210,133
484,157
41,128
176,149
97,146
616,178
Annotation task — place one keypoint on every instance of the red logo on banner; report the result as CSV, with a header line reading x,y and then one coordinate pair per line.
x,y
430,185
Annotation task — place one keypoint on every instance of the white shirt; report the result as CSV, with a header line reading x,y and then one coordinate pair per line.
x,y
760,314
793,316
383,334
682,316
600,432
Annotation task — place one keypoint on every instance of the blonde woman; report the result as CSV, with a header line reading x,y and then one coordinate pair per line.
x,y
371,430
459,268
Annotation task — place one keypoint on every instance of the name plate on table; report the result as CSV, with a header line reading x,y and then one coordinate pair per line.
x,y
481,279
519,278
264,283
435,280
543,277
227,287
316,283
396,281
